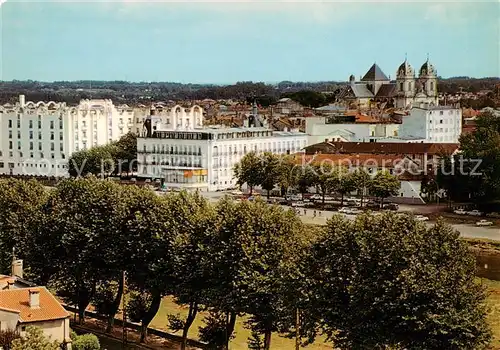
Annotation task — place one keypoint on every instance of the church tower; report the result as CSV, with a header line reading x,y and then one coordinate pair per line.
x,y
405,85
428,80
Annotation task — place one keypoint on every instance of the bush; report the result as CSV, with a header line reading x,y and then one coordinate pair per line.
x,y
86,342
7,337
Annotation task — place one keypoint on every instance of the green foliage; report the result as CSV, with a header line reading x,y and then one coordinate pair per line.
x,y
389,281
361,181
255,341
34,339
7,336
249,170
21,204
384,185
176,323
460,176
115,157
86,342
214,331
137,306
308,98
103,298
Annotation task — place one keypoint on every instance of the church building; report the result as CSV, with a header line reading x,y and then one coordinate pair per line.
x,y
403,93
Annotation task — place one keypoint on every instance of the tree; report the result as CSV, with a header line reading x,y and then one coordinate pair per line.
x,y
153,226
99,160
214,332
389,281
324,178
251,255
34,339
342,182
249,171
305,177
287,174
195,224
270,171
21,205
361,182
87,215
482,148
384,185
126,153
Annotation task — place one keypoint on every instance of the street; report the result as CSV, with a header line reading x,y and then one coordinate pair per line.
x,y
466,231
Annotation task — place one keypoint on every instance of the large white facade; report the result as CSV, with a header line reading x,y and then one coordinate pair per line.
x,y
183,153
38,138
436,124
319,129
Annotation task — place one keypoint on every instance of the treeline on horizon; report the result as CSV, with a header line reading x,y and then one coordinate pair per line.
x,y
134,93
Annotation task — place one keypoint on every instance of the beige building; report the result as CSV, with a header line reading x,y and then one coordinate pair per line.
x,y
35,306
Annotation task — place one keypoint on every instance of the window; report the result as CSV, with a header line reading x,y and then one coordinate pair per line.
x,y
39,135
10,123
52,156
31,146
60,136
1,165
52,135
31,135
10,134
18,134
18,122
52,146
52,124
440,121
18,144
31,124
39,146
10,144
61,147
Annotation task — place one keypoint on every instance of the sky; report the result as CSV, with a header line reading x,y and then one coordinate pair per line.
x,y
225,42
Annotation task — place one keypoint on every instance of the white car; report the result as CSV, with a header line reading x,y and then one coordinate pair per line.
x,y
295,197
475,212
316,197
484,223
345,210
298,204
421,218
237,193
460,212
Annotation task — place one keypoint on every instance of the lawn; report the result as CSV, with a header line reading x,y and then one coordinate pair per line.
x,y
240,341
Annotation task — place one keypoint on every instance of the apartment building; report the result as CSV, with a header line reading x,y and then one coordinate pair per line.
x,y
179,150
38,138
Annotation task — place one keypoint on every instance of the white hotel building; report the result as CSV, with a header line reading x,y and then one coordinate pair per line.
x,y
179,150
38,138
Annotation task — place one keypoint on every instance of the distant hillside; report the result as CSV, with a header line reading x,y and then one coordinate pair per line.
x,y
133,93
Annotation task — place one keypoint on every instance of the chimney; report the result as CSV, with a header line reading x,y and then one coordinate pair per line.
x,y
10,285
34,299
17,268
21,100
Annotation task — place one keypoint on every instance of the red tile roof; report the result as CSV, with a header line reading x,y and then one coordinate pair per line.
x,y
17,300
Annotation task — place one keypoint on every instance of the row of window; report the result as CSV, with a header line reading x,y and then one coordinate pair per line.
x,y
32,155
31,146
31,135
52,124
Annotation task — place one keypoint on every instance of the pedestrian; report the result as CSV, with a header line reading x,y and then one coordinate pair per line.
x,y
305,211
314,215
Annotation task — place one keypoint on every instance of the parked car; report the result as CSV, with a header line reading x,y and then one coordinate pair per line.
x,y
299,204
391,206
484,223
345,210
295,197
237,193
421,218
316,197
372,205
352,203
475,212
460,212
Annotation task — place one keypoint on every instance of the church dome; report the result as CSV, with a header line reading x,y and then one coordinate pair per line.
x,y
405,69
427,69
352,78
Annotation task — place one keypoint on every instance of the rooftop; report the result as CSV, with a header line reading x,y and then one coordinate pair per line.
x,y
17,300
375,74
